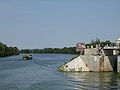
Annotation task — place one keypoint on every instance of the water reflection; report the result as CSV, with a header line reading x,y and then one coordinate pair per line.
x,y
40,74
92,80
115,82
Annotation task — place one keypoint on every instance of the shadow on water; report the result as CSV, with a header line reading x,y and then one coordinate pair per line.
x,y
115,82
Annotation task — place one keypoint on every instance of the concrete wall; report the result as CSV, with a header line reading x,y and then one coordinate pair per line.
x,y
108,52
92,61
109,63
100,63
118,64
90,51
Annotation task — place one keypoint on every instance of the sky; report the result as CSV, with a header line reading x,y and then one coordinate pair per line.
x,y
35,24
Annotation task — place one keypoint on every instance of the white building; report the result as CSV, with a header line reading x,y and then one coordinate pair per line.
x,y
118,41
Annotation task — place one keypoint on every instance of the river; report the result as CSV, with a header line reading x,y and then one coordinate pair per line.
x,y
41,73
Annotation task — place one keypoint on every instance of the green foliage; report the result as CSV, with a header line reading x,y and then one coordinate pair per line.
x,y
102,43
65,50
8,51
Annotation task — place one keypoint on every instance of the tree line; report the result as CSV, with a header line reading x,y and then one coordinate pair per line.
x,y
8,51
65,50
101,43
68,50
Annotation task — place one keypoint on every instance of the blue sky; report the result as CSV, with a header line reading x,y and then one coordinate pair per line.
x,y
57,23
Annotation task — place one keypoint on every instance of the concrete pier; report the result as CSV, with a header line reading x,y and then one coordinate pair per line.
x,y
93,61
100,59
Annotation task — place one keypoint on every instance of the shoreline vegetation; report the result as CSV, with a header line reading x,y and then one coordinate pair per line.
x,y
8,51
67,50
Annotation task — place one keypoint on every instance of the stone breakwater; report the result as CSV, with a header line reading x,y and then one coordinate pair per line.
x,y
92,61
76,64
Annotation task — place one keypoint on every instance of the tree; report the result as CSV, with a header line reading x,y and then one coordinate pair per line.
x,y
8,51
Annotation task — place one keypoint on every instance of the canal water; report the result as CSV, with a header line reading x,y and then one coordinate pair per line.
x,y
41,73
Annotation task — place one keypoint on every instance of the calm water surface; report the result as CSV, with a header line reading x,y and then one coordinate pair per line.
x,y
40,74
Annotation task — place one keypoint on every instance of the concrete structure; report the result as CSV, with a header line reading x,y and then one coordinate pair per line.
x,y
118,58
96,59
76,64
118,64
92,61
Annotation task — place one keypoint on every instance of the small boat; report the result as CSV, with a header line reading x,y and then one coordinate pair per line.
x,y
27,57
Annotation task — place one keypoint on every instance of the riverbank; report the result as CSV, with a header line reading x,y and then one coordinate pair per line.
x,y
65,50
8,51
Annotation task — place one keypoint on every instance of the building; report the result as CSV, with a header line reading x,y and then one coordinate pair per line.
x,y
118,41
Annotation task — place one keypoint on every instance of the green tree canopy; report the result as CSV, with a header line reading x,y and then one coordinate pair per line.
x,y
8,51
